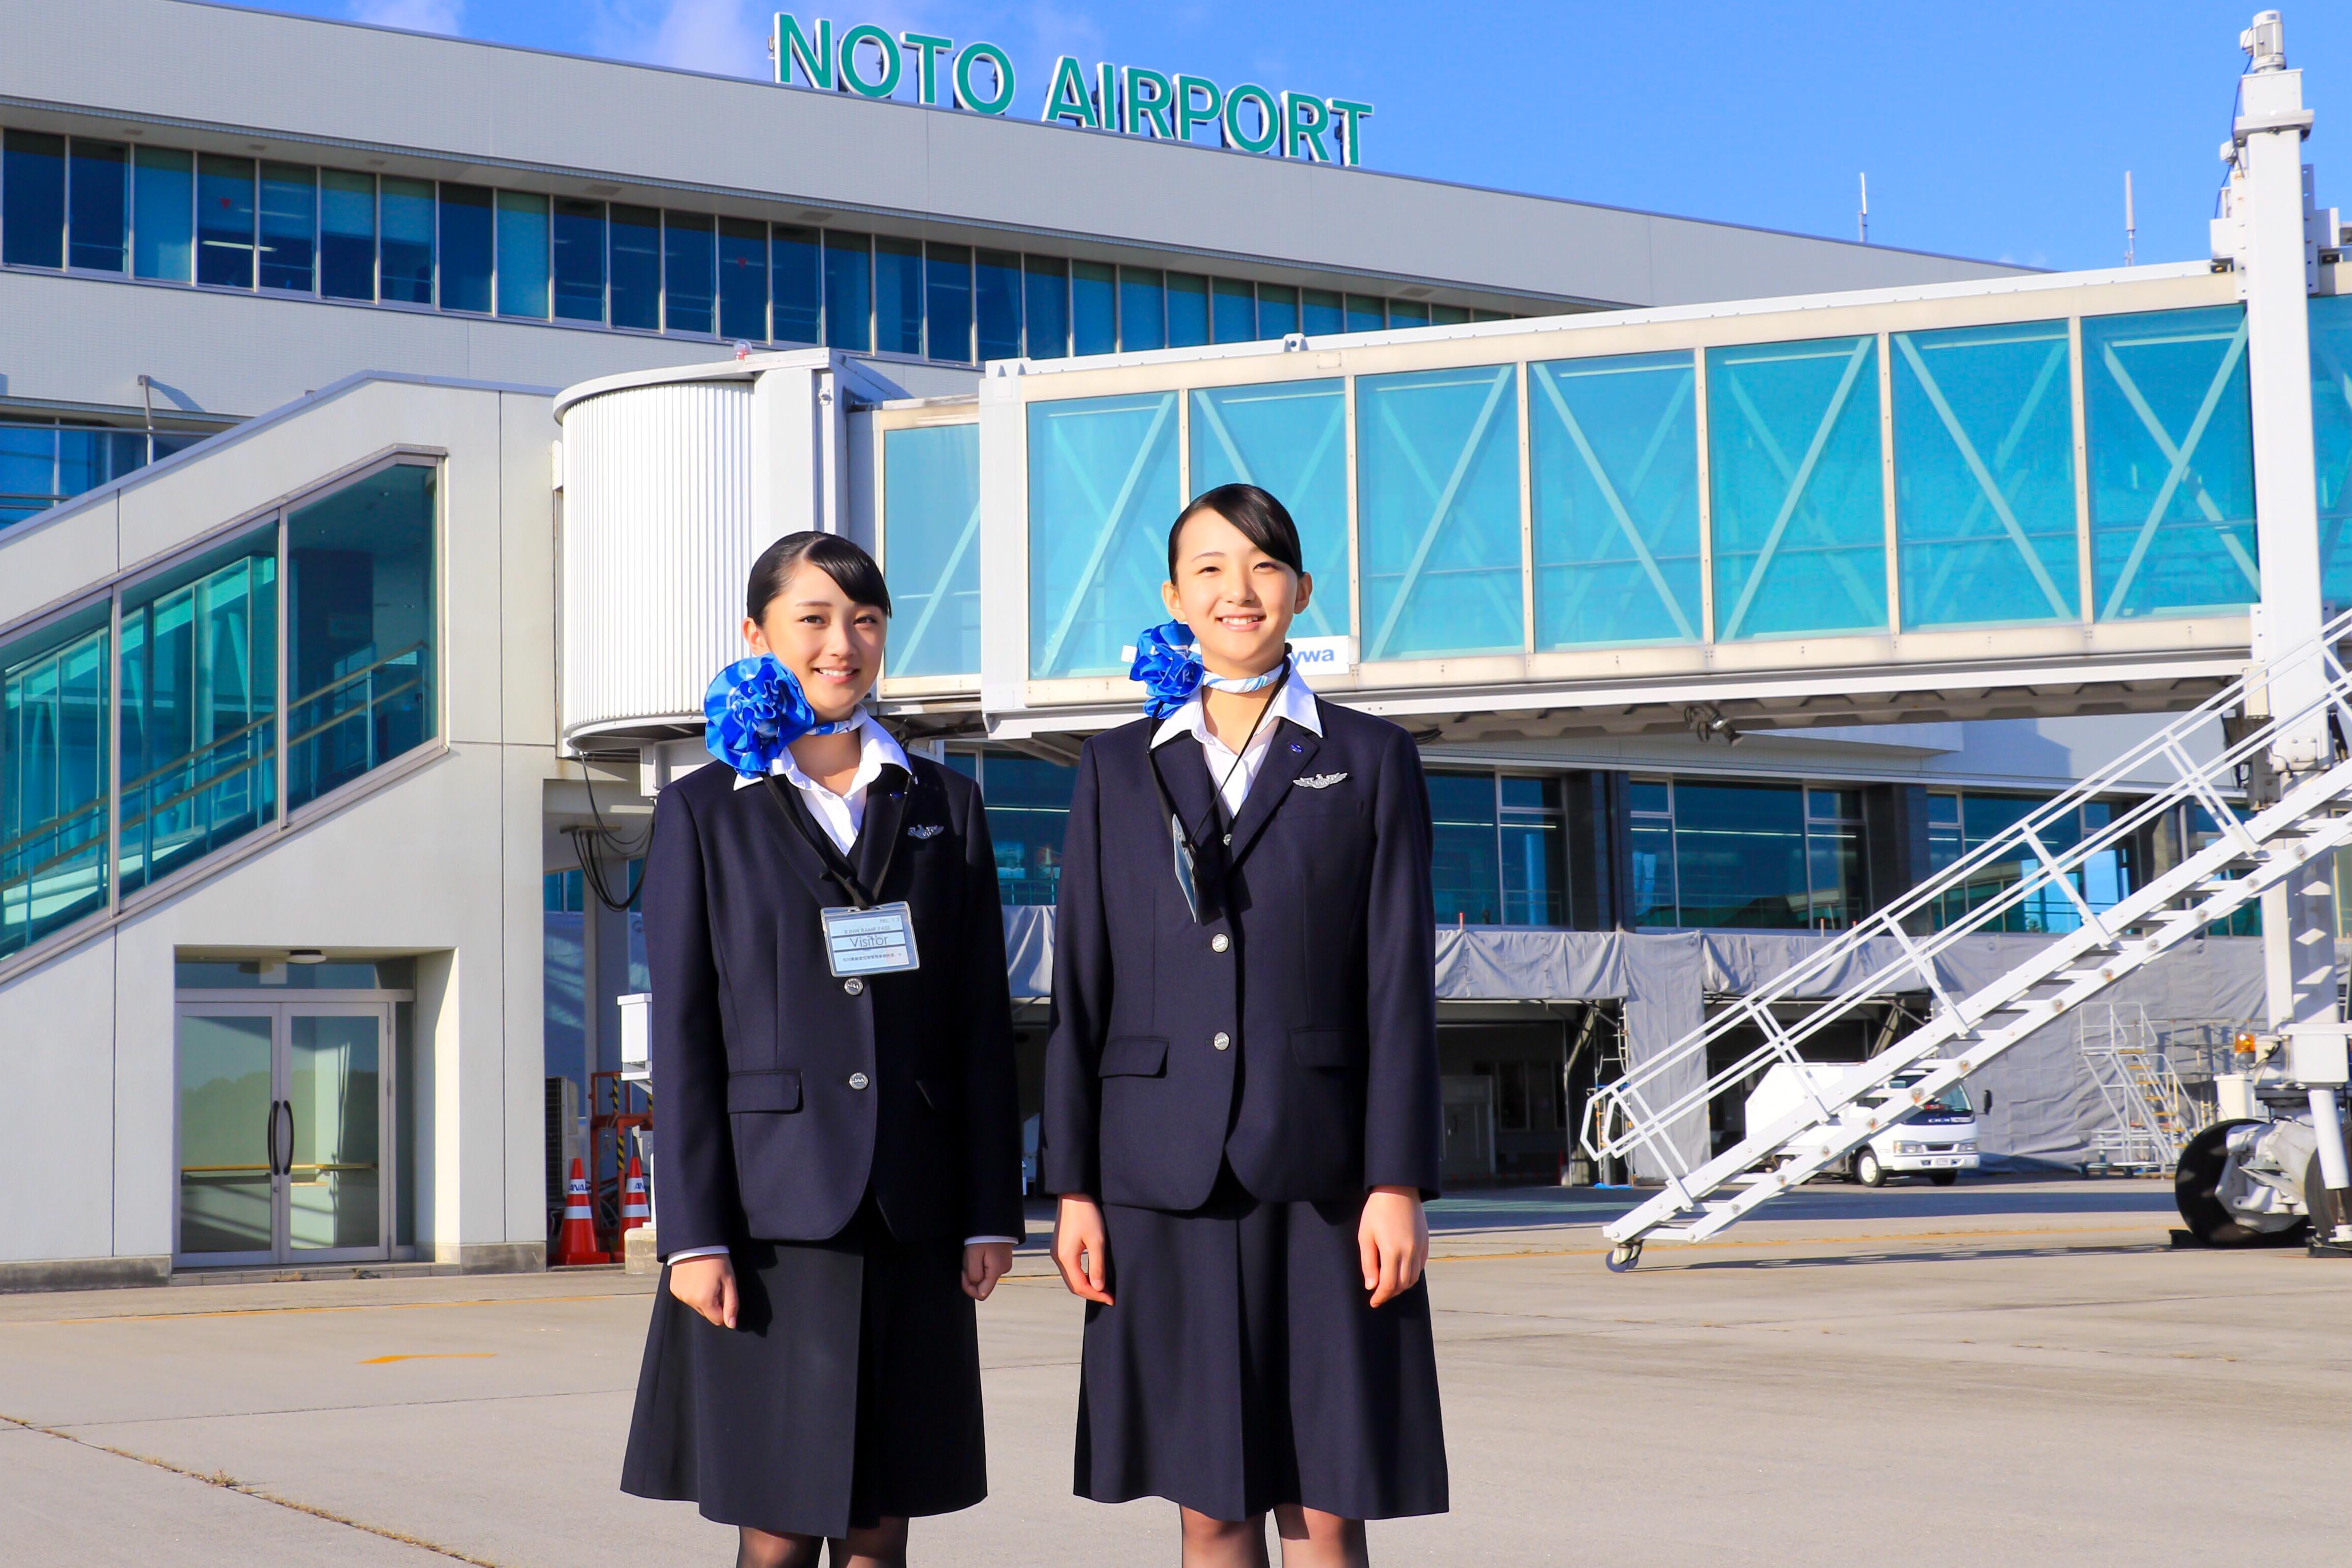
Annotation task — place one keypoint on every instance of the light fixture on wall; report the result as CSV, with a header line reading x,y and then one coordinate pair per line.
x,y
305,956
1707,722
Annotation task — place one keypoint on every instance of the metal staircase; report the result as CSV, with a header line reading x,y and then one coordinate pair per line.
x,y
2149,1114
1893,950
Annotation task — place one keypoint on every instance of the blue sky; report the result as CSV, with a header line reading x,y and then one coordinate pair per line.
x,y
1998,128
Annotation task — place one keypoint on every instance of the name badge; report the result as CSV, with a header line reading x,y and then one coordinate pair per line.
x,y
876,941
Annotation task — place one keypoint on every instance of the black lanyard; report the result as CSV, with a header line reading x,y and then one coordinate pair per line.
x,y
1187,847
836,865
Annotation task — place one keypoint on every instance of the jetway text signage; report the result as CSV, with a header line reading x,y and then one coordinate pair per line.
x,y
874,62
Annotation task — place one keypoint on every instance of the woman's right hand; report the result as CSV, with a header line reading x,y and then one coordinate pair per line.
x,y
1082,1249
708,1285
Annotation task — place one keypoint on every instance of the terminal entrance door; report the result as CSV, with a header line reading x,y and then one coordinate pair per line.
x,y
282,1127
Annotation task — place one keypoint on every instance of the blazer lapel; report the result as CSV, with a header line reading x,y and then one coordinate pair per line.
x,y
886,817
1287,754
1186,771
762,800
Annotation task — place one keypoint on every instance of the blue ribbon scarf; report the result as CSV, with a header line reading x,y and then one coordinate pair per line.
x,y
1168,665
754,709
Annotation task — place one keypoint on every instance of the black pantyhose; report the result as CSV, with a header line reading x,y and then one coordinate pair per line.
x,y
883,1546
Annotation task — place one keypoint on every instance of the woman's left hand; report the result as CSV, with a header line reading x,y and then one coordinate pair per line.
x,y
984,1263
1392,1240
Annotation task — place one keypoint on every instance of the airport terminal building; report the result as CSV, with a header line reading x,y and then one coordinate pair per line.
x,y
386,423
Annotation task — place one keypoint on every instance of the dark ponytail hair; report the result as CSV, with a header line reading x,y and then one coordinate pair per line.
x,y
851,569
1263,521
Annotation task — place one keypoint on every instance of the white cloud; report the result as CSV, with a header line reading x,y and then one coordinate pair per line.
x,y
416,15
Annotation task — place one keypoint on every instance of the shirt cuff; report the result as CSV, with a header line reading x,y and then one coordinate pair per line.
x,y
697,1252
984,1240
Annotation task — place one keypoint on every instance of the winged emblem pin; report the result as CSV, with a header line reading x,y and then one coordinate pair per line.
x,y
926,829
1317,781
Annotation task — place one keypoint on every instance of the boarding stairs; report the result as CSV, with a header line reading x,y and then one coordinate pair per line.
x,y
1893,950
2150,1116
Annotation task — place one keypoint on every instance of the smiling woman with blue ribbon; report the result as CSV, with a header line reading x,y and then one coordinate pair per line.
x,y
1241,1090
837,1159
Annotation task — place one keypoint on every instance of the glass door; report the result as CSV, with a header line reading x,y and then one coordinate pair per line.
x,y
282,1113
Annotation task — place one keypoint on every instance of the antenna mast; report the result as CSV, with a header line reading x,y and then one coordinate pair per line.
x,y
1862,218
2131,229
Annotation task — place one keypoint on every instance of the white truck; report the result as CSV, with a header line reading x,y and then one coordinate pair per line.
x,y
1938,1141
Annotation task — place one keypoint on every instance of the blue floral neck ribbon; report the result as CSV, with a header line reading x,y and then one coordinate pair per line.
x,y
1168,665
754,709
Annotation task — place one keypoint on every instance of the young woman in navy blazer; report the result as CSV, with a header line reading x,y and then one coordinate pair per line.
x,y
1241,1110
837,1161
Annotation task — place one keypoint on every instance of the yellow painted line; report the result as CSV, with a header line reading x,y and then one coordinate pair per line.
x,y
440,1356
304,1312
1665,1248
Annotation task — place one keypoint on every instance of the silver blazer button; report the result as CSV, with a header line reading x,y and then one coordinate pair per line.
x,y
1220,942
1222,1041
853,985
858,1080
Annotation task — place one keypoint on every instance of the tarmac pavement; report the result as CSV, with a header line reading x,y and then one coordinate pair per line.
x,y
1997,1373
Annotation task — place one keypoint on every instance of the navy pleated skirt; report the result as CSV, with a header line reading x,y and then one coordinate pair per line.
x,y
849,1391
1241,1367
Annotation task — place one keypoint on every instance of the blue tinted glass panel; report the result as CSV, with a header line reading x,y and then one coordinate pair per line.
x,y
1535,857
2172,462
637,267
469,248
29,464
1799,495
53,778
930,531
897,295
406,213
289,225
523,266
346,234
1366,314
1094,309
1233,312
1438,489
1739,854
32,199
1408,313
1102,486
199,707
1447,315
1465,872
1277,311
100,236
1046,289
1984,475
795,258
2331,431
359,611
849,291
1615,448
224,221
576,249
1187,310
1290,439
88,458
947,303
1028,802
690,273
1142,309
743,280
1320,312
164,213
996,304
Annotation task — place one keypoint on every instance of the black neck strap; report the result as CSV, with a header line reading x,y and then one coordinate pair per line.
x,y
836,865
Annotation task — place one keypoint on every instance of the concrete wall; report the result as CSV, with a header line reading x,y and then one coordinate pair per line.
x,y
442,859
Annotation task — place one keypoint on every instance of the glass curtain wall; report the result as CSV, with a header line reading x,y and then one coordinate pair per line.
x,y
1028,804
290,227
576,260
406,217
1498,854
1438,487
53,775
996,304
897,294
1103,482
522,256
947,303
1614,445
690,273
1959,824
1709,853
164,213
743,280
199,707
2331,430
796,263
931,529
848,290
469,248
1290,437
98,227
635,261
346,234
225,212
32,199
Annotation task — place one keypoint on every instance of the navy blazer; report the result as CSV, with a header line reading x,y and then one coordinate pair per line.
x,y
1317,973
780,1094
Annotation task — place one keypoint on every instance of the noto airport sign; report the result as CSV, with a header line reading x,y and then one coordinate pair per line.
x,y
874,62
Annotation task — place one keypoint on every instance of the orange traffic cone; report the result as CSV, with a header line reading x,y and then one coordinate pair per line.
x,y
576,1243
634,1211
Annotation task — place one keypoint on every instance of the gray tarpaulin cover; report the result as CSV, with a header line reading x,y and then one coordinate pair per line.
x,y
2044,1106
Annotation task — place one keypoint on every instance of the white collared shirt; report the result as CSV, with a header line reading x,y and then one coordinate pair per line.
x,y
842,818
1293,700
